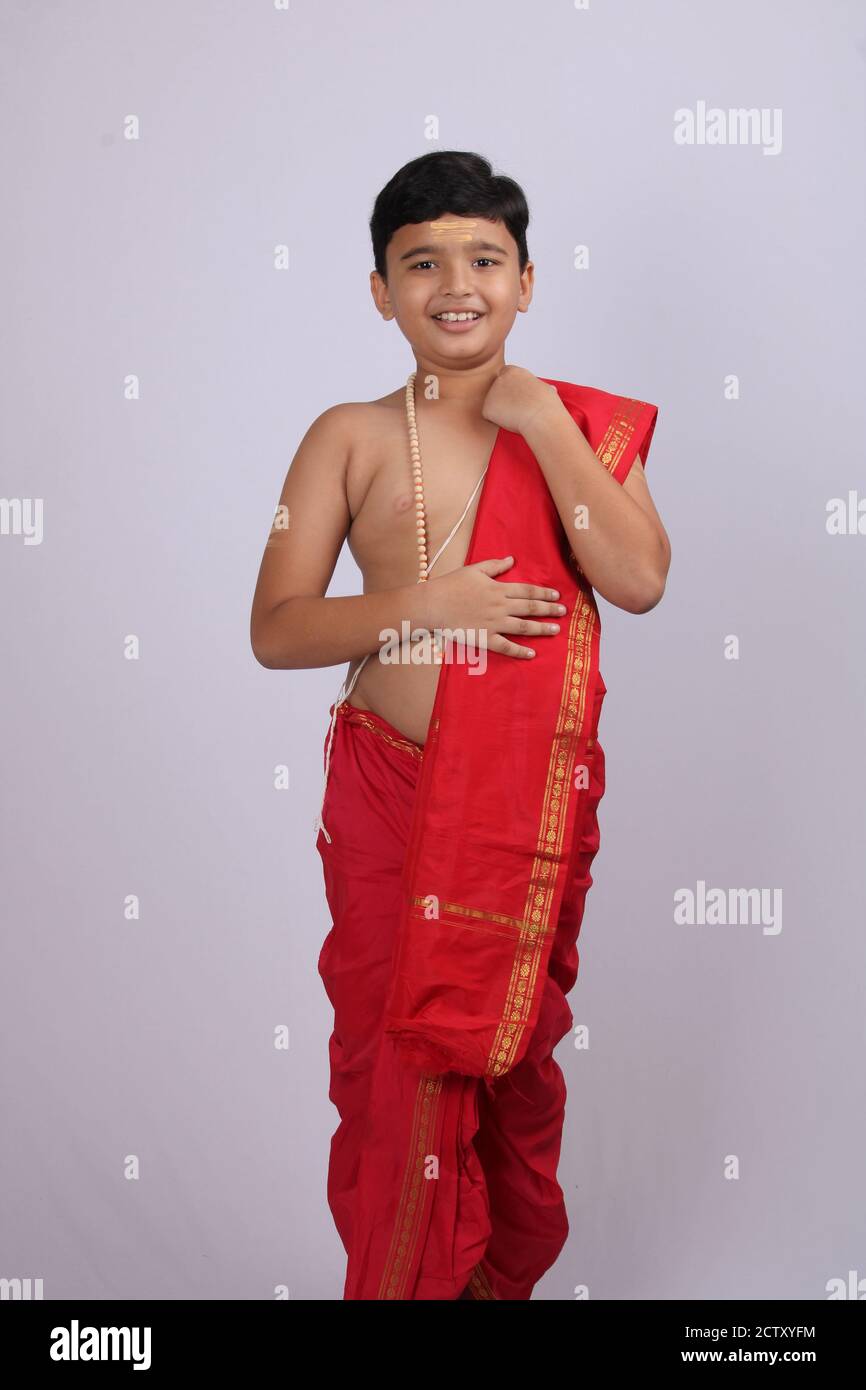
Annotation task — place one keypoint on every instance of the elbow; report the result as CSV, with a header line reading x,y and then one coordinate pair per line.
x,y
263,658
274,661
261,652
652,588
267,655
264,648
271,641
650,592
647,600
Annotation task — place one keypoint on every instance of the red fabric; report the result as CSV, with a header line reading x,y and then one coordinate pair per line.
x,y
501,797
443,1168
435,1183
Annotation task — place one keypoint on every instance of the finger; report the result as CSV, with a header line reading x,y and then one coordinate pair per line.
x,y
534,607
527,628
531,591
502,644
493,567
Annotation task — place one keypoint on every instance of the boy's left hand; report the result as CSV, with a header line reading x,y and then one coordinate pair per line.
x,y
516,397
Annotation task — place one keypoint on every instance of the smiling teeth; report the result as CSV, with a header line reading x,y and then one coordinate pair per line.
x,y
456,318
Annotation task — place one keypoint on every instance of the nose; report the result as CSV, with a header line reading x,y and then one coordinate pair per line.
x,y
455,282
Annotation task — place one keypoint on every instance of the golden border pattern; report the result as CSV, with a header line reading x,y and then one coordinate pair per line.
x,y
414,1192
542,880
619,432
479,1285
357,716
524,971
462,910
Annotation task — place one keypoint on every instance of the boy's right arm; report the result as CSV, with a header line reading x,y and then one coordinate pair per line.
x,y
293,625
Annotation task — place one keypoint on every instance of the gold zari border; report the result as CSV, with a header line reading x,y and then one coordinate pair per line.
x,y
479,1285
522,984
618,434
357,716
414,1192
540,890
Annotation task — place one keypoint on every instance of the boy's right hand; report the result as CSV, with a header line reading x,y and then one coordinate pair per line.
x,y
472,598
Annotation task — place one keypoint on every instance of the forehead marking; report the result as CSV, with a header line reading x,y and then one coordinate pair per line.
x,y
455,231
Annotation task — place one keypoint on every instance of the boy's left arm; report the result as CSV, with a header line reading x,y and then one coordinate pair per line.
x,y
637,488
614,530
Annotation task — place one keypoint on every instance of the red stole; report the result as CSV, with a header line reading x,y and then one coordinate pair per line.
x,y
502,793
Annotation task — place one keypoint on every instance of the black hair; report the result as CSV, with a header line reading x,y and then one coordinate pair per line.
x,y
448,181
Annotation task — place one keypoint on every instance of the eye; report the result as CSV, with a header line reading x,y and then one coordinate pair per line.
x,y
420,264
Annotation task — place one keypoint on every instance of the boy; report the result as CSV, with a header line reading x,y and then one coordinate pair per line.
x,y
462,779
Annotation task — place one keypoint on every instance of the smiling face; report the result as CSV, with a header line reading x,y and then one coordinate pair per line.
x,y
465,268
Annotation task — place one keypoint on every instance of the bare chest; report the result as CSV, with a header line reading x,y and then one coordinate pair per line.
x,y
383,533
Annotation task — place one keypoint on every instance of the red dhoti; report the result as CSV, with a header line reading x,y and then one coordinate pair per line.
x,y
456,875
434,1182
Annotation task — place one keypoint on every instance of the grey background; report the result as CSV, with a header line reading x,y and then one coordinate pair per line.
x,y
155,777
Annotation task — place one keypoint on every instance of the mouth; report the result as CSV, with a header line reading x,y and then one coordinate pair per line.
x,y
458,320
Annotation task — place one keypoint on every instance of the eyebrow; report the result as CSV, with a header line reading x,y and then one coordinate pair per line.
x,y
436,249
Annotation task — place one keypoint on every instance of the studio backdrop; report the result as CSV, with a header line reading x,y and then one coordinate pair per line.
x,y
185,265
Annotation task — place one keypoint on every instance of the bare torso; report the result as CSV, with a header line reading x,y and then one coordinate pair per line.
x,y
382,537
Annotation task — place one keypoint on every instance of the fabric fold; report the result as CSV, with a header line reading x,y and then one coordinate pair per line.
x,y
502,792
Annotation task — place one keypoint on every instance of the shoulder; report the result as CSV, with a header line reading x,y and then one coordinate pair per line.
x,y
351,420
354,430
332,438
333,423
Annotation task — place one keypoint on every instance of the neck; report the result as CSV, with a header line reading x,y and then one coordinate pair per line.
x,y
461,388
